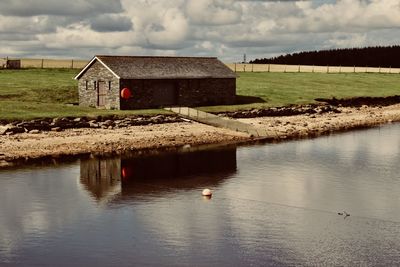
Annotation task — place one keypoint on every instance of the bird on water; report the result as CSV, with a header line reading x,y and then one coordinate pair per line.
x,y
345,214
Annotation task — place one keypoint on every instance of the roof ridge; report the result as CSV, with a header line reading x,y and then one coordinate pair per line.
x,y
136,67
154,56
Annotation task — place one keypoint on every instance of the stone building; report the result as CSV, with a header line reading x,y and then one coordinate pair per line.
x,y
139,82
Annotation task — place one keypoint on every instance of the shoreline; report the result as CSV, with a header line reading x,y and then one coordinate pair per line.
x,y
23,148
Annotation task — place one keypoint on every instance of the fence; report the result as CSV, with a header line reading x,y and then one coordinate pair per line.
x,y
48,63
222,122
240,67
237,67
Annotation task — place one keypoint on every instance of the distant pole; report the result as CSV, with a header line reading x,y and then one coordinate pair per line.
x,y
235,67
252,67
269,65
42,63
72,64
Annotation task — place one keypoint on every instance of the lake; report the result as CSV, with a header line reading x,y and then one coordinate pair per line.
x,y
272,204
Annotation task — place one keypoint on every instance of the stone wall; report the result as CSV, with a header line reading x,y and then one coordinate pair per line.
x,y
203,92
153,93
88,86
185,92
142,94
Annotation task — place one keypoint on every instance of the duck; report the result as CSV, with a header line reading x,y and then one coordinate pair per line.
x,y
344,213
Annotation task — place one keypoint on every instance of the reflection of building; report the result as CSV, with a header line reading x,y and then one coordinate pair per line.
x,y
157,174
101,177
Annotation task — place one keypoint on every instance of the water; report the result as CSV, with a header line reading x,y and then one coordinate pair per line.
x,y
273,204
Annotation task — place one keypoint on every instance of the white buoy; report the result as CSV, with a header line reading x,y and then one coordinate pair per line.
x,y
206,192
187,146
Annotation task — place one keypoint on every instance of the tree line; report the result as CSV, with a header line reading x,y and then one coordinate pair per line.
x,y
378,56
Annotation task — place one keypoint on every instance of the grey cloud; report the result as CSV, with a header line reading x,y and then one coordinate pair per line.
x,y
26,8
156,27
223,28
273,0
111,23
213,12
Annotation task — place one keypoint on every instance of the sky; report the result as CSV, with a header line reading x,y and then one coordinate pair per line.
x,y
227,29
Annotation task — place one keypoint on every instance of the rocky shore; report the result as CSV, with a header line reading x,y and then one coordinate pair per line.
x,y
317,124
100,122
36,139
282,111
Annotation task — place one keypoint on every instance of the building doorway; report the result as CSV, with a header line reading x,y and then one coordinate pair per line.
x,y
101,93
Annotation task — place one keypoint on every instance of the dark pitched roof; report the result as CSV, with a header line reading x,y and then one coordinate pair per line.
x,y
146,67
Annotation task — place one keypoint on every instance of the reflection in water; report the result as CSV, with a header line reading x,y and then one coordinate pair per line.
x,y
275,205
101,177
154,175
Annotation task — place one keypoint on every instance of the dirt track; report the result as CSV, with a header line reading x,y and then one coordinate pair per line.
x,y
82,141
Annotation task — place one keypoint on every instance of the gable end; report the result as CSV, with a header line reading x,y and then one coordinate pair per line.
x,y
92,61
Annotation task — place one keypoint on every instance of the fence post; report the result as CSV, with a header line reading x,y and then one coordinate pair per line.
x,y
313,68
354,70
390,69
235,67
379,69
299,69
269,65
366,69
284,69
252,67
42,63
72,64
340,69
327,69
244,67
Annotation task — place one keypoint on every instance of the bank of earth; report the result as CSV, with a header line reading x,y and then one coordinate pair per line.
x,y
169,131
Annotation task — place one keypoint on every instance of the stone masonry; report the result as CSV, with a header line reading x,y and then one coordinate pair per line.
x,y
88,86
155,82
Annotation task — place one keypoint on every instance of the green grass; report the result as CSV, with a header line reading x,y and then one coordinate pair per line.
x,y
280,89
37,93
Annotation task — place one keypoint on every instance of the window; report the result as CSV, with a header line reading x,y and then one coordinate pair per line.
x,y
86,84
109,85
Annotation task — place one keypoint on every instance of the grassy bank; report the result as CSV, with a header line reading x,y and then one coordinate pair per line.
x,y
35,93
280,89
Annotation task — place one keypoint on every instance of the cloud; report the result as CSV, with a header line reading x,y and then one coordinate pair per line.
x,y
213,12
110,23
27,8
223,28
170,32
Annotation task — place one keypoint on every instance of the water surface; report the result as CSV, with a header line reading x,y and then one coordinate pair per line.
x,y
275,204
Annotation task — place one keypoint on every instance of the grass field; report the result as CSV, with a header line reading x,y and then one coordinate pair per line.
x,y
35,93
280,89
